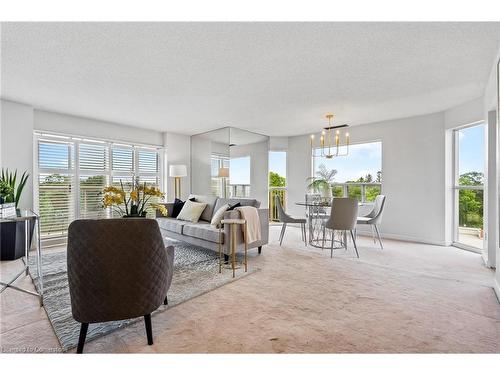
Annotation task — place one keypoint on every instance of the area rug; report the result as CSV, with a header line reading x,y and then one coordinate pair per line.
x,y
195,273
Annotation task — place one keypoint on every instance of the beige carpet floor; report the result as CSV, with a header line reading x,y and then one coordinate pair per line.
x,y
405,298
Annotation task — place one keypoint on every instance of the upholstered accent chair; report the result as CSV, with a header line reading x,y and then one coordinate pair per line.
x,y
117,269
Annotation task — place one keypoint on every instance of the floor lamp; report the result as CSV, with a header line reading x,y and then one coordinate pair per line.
x,y
224,174
177,171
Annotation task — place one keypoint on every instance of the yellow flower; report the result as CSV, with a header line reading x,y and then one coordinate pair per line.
x,y
160,207
134,195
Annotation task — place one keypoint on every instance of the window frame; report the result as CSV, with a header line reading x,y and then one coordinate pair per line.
x,y
74,167
457,187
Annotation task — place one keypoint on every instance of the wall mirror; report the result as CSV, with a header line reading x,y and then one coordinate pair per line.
x,y
230,163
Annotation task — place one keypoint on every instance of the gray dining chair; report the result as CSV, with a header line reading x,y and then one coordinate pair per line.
x,y
284,218
343,217
374,218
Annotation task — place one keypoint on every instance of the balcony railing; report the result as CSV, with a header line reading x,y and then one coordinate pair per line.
x,y
362,191
273,210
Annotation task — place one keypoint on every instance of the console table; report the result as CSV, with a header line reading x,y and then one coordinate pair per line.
x,y
27,216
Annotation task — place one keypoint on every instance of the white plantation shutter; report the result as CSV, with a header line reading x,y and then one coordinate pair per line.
x,y
123,158
72,172
55,186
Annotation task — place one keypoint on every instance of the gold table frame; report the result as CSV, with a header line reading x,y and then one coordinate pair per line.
x,y
233,225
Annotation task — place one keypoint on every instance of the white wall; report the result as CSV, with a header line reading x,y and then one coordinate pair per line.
x,y
73,125
201,165
413,169
178,152
16,144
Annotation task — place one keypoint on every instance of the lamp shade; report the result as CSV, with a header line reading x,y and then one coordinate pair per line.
x,y
178,170
223,172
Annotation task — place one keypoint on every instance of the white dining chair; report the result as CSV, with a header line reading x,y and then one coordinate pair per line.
x,y
374,218
343,217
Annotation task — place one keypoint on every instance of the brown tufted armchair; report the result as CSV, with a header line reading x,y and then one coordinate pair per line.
x,y
117,269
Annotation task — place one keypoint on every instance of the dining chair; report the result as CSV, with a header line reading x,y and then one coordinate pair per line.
x,y
343,217
374,218
284,218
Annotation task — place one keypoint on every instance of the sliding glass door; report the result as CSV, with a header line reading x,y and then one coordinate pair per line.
x,y
469,187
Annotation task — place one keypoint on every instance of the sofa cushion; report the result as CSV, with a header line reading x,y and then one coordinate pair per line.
x,y
171,224
232,201
207,213
191,211
203,231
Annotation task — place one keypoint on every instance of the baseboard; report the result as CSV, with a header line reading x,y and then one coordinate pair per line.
x,y
405,238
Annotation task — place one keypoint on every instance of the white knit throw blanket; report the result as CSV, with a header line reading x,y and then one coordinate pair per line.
x,y
251,215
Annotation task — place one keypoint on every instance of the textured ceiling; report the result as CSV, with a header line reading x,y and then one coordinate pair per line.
x,y
272,78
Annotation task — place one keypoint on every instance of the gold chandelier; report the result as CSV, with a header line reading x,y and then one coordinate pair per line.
x,y
327,148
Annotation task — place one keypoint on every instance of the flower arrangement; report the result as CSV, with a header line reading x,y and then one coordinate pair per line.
x,y
135,202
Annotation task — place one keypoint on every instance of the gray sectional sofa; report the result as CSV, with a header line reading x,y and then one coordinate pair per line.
x,y
205,235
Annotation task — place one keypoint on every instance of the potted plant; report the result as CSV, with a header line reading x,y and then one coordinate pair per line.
x,y
13,234
135,202
322,183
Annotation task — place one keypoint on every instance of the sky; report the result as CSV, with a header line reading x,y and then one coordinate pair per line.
x,y
471,149
239,171
362,159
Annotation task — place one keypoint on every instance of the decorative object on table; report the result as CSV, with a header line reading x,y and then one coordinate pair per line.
x,y
135,202
233,226
12,240
26,216
374,218
99,291
343,218
177,171
322,182
195,273
7,210
10,189
284,218
328,148
224,175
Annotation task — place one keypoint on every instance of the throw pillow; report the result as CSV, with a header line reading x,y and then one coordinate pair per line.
x,y
178,204
191,211
234,206
219,215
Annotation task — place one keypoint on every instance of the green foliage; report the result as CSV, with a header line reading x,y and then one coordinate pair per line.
x,y
470,202
324,179
275,180
13,193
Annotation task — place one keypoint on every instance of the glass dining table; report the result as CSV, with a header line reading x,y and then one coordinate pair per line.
x,y
317,213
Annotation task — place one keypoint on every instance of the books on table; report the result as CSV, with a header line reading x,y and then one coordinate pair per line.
x,y
7,210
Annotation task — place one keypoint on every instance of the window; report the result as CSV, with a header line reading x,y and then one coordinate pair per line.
x,y
277,181
357,175
239,176
73,171
469,185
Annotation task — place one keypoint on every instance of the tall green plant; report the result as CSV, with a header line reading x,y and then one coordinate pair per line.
x,y
323,180
10,179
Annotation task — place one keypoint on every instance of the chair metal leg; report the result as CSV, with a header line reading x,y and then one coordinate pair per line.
x,y
378,235
149,329
331,249
345,239
354,242
324,236
165,301
305,233
81,340
282,233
